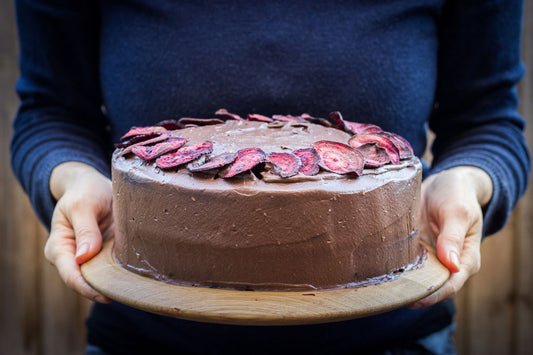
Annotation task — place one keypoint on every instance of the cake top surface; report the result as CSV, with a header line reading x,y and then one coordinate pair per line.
x,y
270,154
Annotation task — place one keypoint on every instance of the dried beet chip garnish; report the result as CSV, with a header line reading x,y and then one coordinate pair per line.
x,y
338,120
359,128
246,159
184,155
139,131
151,152
406,151
216,162
339,158
135,139
317,120
381,140
375,156
231,116
170,124
287,118
199,121
285,164
258,117
309,158
160,138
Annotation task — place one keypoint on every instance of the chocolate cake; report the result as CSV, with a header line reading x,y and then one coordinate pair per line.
x,y
277,203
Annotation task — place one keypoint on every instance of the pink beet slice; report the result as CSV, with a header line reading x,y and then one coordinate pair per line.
x,y
375,156
258,117
139,131
184,155
231,116
170,124
406,151
216,162
337,118
285,164
160,138
287,118
151,152
309,158
246,159
317,120
382,140
135,139
358,128
199,121
339,158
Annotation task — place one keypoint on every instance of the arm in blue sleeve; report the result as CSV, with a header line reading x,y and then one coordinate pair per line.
x,y
475,117
60,117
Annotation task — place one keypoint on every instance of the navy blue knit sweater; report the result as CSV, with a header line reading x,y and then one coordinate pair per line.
x,y
91,70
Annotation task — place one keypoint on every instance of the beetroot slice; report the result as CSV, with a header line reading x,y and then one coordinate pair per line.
x,y
316,120
246,159
170,124
285,164
160,138
184,155
152,152
338,120
309,158
339,158
199,121
406,151
358,128
135,139
258,117
231,116
287,118
216,162
138,131
382,140
375,156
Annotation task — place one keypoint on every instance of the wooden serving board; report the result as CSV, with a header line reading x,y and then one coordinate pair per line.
x,y
257,307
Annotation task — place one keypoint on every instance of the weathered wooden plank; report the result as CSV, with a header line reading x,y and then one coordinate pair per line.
x,y
524,225
490,303
19,331
38,314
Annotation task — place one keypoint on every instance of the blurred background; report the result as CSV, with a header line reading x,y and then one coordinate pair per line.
x,y
38,315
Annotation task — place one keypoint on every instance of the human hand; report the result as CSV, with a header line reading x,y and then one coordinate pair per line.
x,y
82,218
451,220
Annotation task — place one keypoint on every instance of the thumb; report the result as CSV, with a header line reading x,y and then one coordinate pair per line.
x,y
88,235
450,241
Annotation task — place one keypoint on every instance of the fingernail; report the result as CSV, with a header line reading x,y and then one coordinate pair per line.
x,y
102,299
454,258
83,249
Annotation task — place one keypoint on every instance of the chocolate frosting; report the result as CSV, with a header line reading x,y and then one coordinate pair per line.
x,y
265,232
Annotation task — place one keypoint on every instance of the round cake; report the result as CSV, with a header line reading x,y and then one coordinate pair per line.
x,y
279,203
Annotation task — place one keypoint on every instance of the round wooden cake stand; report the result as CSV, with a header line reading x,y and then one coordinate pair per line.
x,y
104,274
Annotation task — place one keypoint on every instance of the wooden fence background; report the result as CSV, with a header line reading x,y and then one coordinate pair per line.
x,y
38,315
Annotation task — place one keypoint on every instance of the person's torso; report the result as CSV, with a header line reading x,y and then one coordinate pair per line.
x,y
374,61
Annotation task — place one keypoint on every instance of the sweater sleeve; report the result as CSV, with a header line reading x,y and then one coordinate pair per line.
x,y
60,117
475,118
